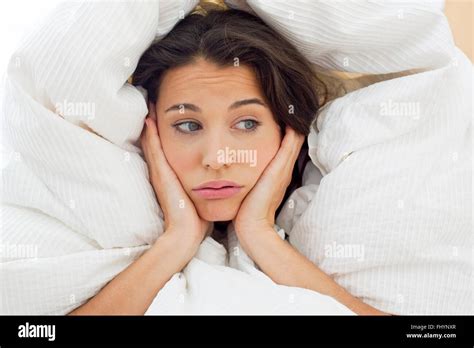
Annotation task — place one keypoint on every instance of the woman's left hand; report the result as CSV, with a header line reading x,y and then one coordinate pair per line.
x,y
276,257
257,210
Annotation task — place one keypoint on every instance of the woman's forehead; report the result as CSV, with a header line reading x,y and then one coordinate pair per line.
x,y
207,77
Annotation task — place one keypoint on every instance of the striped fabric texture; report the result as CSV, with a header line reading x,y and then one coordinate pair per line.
x,y
390,219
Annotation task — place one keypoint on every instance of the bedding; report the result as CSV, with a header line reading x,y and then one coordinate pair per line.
x,y
391,220
77,206
385,208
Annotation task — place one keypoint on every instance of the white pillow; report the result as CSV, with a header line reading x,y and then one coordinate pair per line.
x,y
391,220
63,180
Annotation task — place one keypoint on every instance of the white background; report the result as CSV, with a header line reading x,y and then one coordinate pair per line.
x,y
17,18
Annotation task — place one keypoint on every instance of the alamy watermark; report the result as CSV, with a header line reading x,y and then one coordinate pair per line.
x,y
79,110
18,251
28,330
396,108
237,156
335,250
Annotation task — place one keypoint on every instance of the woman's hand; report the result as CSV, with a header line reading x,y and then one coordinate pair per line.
x,y
257,211
276,257
181,217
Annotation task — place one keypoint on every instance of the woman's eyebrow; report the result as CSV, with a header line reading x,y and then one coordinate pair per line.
x,y
181,106
234,105
243,102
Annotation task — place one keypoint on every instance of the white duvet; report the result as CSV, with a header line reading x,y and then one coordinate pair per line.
x,y
391,220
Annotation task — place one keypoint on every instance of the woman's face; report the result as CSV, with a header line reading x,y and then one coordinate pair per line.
x,y
215,125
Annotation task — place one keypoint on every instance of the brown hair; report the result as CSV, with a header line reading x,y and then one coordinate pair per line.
x,y
225,37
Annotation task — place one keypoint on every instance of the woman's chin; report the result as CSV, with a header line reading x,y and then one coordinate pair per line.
x,y
217,210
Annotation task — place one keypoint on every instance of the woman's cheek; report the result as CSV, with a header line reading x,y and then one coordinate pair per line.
x,y
180,160
251,173
267,153
183,163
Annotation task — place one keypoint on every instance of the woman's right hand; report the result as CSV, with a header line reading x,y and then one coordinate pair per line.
x,y
180,215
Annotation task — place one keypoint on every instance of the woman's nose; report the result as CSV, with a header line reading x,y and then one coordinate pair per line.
x,y
215,153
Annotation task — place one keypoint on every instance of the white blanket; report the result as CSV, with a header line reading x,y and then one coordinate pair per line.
x,y
217,281
392,218
77,205
75,191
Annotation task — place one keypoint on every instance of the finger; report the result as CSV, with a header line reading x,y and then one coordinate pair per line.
x,y
292,141
289,149
281,166
151,136
154,154
152,110
287,156
165,182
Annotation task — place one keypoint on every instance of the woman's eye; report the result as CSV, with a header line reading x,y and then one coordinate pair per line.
x,y
187,127
249,125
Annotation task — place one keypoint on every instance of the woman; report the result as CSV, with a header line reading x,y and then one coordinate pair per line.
x,y
216,83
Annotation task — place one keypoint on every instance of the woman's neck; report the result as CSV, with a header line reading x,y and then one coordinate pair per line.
x,y
221,225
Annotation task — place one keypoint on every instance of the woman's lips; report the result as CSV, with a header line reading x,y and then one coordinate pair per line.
x,y
217,189
224,192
